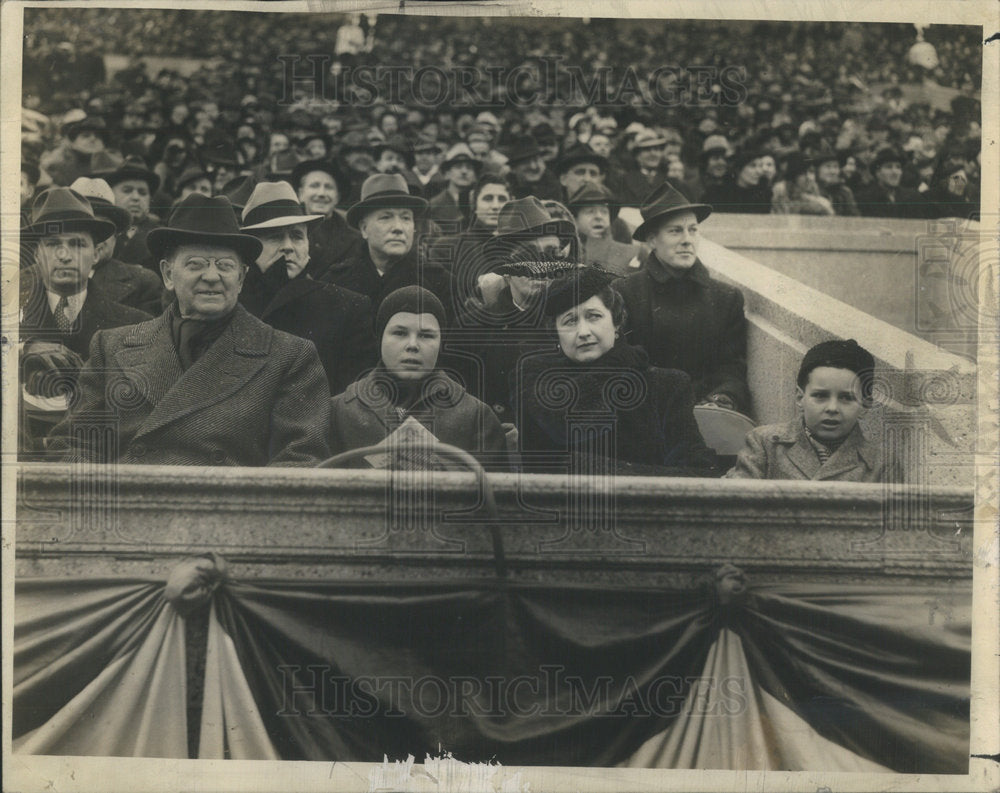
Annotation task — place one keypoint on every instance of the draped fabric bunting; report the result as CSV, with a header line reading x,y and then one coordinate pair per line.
x,y
795,677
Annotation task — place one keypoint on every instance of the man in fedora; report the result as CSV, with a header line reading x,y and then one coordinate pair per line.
x,y
647,172
886,197
279,290
387,217
581,165
128,284
450,208
595,208
682,317
133,185
428,155
61,310
205,383
530,176
501,302
322,187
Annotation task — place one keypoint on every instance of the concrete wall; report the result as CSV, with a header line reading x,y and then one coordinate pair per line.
x,y
315,524
926,397
919,276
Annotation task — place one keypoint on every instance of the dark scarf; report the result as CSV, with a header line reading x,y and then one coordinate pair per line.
x,y
192,337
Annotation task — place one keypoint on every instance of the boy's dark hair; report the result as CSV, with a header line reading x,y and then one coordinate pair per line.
x,y
840,354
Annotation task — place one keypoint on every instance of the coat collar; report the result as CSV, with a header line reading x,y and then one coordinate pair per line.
x,y
845,458
153,371
372,391
663,274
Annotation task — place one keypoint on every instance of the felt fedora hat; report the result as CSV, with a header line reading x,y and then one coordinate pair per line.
x,y
113,168
238,190
661,203
274,204
383,190
460,152
198,219
102,201
524,148
60,209
589,195
524,219
398,144
578,154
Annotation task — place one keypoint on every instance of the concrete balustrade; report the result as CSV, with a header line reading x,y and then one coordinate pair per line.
x,y
345,524
925,409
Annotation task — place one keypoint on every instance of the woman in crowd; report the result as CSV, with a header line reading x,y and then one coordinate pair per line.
x,y
407,384
595,402
461,252
798,193
831,185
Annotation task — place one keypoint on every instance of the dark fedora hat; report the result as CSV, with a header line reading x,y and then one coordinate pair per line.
x,y
190,174
523,148
79,122
59,210
578,154
589,195
884,156
308,166
272,205
113,168
102,201
207,221
238,190
661,203
398,144
281,165
383,190
524,219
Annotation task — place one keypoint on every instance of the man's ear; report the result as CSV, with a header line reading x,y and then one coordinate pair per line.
x,y
799,396
165,274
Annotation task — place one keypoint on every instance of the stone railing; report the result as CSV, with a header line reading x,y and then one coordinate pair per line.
x,y
137,520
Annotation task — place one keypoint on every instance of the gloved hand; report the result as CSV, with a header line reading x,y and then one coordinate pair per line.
x,y
45,366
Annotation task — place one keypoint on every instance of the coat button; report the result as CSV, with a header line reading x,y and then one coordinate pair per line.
x,y
218,456
138,449
498,409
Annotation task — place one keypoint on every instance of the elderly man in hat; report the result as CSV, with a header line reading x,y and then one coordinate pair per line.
x,y
279,290
387,217
530,176
682,317
133,185
595,208
321,187
886,197
503,309
205,383
61,310
450,208
128,284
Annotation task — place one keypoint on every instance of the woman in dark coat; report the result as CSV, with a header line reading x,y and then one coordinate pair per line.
x,y
595,403
952,196
408,388
279,290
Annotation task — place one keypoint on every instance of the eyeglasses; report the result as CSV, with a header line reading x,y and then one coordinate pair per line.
x,y
198,264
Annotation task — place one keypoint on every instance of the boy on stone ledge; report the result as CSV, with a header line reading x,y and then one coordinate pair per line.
x,y
825,441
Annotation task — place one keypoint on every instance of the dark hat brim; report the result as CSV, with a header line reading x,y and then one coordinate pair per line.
x,y
701,212
98,229
308,166
126,173
476,164
120,217
563,229
161,240
392,200
565,164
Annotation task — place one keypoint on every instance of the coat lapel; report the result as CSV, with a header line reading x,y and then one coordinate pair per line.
x,y
801,453
293,290
148,359
239,353
847,456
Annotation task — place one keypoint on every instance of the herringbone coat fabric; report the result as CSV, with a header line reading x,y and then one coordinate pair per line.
x,y
256,397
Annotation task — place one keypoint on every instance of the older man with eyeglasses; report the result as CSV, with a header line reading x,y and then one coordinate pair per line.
x,y
205,383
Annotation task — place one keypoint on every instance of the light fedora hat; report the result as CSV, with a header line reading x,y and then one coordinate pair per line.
x,y
274,204
102,200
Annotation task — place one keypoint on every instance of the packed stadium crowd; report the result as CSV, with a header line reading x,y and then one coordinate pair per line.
x,y
373,183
